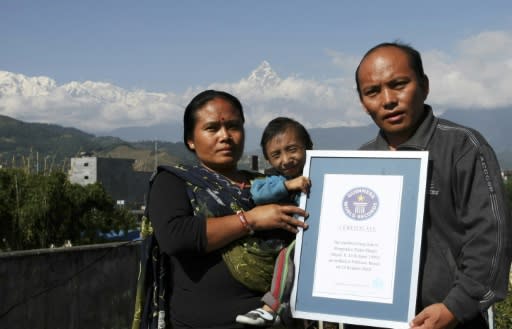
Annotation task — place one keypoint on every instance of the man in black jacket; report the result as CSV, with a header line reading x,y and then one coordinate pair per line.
x,y
466,249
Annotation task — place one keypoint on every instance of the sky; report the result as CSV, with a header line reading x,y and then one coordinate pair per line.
x,y
102,65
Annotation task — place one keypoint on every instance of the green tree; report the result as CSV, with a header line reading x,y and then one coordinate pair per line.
x,y
9,205
37,210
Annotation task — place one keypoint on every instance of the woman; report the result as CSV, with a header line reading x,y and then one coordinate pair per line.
x,y
202,215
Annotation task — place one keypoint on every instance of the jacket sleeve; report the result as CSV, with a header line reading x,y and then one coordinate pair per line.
x,y
483,264
176,228
268,189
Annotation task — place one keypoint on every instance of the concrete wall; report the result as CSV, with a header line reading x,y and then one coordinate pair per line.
x,y
78,287
83,170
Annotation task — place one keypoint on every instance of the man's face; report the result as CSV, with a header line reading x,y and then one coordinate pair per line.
x,y
392,94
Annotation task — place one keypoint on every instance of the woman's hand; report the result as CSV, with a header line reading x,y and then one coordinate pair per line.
x,y
272,216
221,231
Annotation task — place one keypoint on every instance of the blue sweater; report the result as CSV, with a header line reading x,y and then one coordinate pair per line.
x,y
271,189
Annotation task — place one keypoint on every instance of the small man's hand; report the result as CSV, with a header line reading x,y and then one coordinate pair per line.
x,y
297,184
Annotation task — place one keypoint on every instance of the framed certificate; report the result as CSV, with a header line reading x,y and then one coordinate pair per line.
x,y
358,261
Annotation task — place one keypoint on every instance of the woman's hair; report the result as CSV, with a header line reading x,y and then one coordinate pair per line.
x,y
200,100
278,126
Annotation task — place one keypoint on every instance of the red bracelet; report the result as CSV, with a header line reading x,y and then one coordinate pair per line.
x,y
244,222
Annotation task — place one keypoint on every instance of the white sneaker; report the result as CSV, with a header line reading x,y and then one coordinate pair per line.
x,y
258,317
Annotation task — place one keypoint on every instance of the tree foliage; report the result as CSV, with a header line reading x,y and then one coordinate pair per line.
x,y
38,210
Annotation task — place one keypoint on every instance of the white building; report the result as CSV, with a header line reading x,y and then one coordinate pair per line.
x,y
117,176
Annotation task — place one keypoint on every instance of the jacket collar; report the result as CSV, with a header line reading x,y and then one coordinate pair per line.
x,y
421,137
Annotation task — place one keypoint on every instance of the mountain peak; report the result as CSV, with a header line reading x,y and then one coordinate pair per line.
x,y
19,84
264,75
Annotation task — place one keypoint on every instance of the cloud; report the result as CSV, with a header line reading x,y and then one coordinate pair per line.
x,y
90,106
476,74
314,103
347,63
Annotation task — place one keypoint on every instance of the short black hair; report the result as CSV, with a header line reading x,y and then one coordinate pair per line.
x,y
414,59
200,100
279,125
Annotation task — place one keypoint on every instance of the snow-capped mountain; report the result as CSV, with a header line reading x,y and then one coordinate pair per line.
x,y
89,105
99,90
264,76
21,85
13,84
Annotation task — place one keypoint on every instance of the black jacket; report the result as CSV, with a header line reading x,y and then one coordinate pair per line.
x,y
466,249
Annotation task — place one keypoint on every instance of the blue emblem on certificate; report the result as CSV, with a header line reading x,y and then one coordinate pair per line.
x,y
360,203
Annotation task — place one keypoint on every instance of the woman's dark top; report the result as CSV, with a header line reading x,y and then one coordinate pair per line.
x,y
204,293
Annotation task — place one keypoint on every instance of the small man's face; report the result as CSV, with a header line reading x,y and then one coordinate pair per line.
x,y
286,153
391,93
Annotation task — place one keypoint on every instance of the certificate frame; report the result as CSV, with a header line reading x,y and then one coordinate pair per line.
x,y
311,297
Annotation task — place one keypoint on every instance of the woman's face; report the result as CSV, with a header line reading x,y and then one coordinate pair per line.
x,y
218,135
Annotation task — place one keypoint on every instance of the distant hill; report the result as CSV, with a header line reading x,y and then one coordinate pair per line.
x,y
342,138
173,132
495,125
51,145
162,132
43,146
